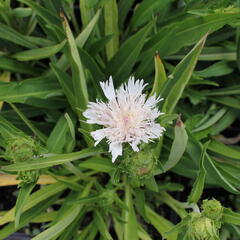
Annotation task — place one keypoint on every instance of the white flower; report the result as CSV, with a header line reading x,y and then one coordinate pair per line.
x,y
127,117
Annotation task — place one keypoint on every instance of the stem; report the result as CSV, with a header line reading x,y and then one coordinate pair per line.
x,y
173,204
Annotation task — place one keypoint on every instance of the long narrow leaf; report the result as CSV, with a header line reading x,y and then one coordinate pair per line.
x,y
173,89
121,64
39,53
198,185
130,227
178,146
21,200
111,27
39,163
38,133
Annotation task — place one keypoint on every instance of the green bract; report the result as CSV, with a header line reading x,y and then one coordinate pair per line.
x,y
28,176
202,228
212,209
139,165
21,149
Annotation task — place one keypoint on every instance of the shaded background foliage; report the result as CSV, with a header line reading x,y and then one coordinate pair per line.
x,y
53,54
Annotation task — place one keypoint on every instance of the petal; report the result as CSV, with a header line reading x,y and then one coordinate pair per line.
x,y
134,146
116,150
108,89
98,135
135,88
155,131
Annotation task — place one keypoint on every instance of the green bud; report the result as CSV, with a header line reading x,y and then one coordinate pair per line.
x,y
139,165
202,228
20,149
106,198
212,209
28,176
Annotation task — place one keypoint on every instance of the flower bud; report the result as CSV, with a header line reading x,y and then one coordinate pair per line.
x,y
212,209
27,176
20,149
106,198
202,228
139,165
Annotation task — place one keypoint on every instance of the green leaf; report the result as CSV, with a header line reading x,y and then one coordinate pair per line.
x,y
194,149
21,200
123,10
38,133
45,13
27,217
171,38
160,76
11,35
44,162
210,54
111,27
224,150
73,229
20,92
198,185
173,89
160,223
140,202
217,69
178,146
151,184
67,218
45,217
227,101
146,10
187,32
102,228
8,130
223,91
90,231
78,76
225,122
142,234
231,217
58,137
130,227
22,12
42,42
98,164
79,80
14,66
71,124
66,84
213,171
90,63
146,67
34,199
121,64
229,173
98,45
211,121
179,227
85,12
39,53
81,39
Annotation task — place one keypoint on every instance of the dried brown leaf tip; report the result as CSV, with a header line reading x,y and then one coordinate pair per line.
x,y
179,122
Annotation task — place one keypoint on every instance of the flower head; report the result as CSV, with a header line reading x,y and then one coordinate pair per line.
x,y
127,117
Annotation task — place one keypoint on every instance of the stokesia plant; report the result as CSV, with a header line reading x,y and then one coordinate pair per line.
x,y
120,119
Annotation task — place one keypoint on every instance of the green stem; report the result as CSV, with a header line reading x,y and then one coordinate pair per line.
x,y
174,204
